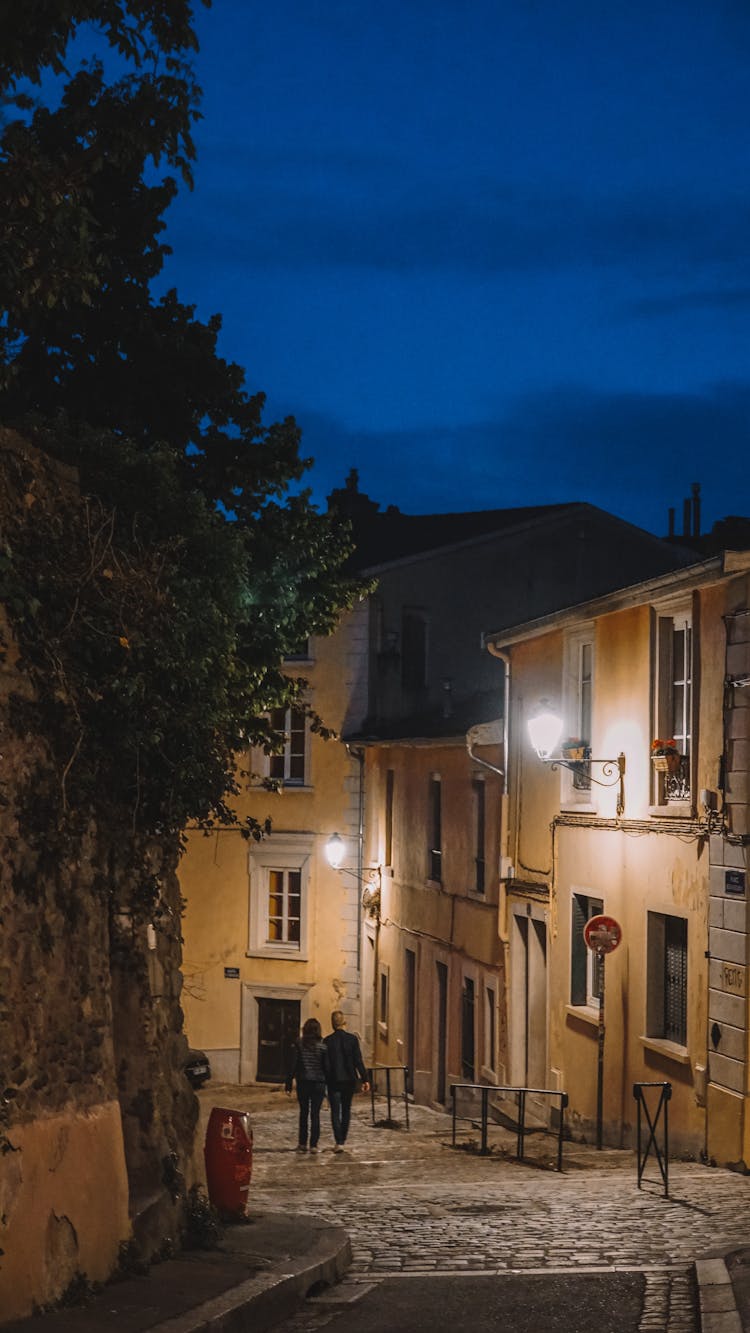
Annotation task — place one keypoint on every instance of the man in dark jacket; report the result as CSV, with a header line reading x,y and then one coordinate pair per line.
x,y
345,1066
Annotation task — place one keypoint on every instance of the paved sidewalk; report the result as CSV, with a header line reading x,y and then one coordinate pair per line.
x,y
402,1204
262,1271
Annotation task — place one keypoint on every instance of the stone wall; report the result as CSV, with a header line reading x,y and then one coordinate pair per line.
x,y
96,1117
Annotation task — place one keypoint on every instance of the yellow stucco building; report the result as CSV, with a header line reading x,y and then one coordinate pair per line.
x,y
648,824
272,933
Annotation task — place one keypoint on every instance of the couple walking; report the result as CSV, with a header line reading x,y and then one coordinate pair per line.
x,y
334,1063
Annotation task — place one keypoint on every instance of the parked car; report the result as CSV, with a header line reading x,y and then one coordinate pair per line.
x,y
197,1067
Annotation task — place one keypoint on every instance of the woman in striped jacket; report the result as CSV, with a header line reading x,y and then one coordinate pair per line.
x,y
309,1069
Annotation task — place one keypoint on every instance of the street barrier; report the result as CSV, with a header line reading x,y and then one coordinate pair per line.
x,y
388,1070
652,1120
521,1128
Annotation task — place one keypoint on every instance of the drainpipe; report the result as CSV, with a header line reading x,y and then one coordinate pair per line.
x,y
471,735
357,752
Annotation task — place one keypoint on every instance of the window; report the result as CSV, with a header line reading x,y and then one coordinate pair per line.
x,y
585,967
666,1000
413,650
284,906
434,849
300,653
279,875
389,780
384,988
673,702
489,1028
291,764
478,795
578,710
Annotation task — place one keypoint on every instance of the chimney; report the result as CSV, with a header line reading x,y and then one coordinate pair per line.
x,y
686,518
696,504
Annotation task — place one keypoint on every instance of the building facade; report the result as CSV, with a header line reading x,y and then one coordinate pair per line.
x,y
272,933
643,819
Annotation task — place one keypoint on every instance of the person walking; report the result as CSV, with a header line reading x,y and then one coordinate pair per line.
x,y
310,1070
345,1067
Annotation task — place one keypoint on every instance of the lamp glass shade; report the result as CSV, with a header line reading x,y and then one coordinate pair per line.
x,y
335,850
545,730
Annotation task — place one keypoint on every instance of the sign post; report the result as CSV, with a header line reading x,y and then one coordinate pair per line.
x,y
602,934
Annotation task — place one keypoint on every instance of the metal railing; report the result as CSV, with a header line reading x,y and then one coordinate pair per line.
x,y
389,1093
652,1120
521,1128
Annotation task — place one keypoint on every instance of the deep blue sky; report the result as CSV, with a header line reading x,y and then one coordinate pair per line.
x,y
490,252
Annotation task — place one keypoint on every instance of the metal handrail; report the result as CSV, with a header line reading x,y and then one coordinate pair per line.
x,y
521,1093
388,1070
662,1157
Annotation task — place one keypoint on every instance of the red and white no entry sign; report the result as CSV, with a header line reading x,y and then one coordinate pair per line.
x,y
602,933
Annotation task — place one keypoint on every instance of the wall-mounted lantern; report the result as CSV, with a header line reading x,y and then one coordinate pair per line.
x,y
335,850
545,730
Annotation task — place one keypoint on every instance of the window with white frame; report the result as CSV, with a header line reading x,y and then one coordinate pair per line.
x,y
291,764
667,978
279,889
578,711
673,703
585,965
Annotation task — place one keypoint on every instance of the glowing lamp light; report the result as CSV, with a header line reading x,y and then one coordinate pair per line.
x,y
545,730
334,850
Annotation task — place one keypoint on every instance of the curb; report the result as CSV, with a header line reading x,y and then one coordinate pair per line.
x,y
261,1302
718,1307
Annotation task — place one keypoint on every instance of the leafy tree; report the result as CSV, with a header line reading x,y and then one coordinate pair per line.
x,y
153,618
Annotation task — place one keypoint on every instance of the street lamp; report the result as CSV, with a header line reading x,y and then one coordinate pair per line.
x,y
545,729
335,849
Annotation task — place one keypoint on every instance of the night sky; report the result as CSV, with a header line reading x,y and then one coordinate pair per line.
x,y
489,252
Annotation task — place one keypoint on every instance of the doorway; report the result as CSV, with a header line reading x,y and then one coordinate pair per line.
x,y
528,1001
278,1029
410,985
468,1007
441,974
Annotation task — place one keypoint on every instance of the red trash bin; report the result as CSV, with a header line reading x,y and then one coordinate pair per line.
x,y
229,1160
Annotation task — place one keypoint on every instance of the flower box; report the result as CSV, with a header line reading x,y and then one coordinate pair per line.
x,y
667,763
574,751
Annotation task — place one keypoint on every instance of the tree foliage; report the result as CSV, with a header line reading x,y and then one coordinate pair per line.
x,y
152,616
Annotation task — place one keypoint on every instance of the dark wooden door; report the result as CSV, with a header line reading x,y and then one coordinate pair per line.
x,y
442,1028
278,1029
467,1031
410,970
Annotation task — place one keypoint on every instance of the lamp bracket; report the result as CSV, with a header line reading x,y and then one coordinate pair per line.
x,y
612,773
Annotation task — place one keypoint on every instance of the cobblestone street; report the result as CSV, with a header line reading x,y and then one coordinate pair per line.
x,y
413,1205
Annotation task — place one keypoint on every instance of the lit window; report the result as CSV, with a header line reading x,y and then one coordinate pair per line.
x,y
585,966
279,869
284,906
578,712
673,703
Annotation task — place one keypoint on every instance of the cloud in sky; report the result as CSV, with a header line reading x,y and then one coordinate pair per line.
x,y
634,454
478,226
488,253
